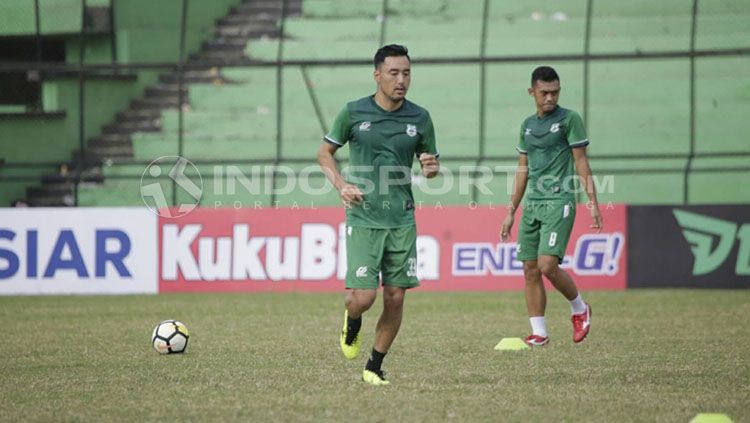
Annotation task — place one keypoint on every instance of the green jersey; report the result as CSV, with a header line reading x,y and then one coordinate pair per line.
x,y
382,148
547,141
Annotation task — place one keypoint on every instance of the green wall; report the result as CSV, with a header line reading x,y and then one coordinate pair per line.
x,y
53,139
145,31
45,140
17,17
150,31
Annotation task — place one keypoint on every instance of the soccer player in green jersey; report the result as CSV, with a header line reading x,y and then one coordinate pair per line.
x,y
552,143
385,132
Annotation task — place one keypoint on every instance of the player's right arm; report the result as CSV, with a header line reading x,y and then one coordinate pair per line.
x,y
519,188
336,138
349,193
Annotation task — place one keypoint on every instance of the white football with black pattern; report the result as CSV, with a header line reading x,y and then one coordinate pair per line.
x,y
170,337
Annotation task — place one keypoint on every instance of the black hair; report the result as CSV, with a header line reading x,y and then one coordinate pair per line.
x,y
388,51
544,73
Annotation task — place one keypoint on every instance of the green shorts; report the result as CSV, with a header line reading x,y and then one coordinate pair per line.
x,y
545,229
370,252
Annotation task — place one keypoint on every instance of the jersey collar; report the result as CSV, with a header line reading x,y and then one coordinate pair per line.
x,y
377,106
548,115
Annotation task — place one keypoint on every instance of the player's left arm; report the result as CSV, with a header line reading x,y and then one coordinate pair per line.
x,y
427,151
578,141
430,165
584,172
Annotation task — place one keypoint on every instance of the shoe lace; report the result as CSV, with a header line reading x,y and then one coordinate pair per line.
x,y
380,373
351,337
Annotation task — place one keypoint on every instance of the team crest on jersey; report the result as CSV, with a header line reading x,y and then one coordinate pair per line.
x,y
364,126
528,131
555,127
411,130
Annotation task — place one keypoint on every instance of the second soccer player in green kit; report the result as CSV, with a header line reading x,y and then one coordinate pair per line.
x,y
552,144
384,132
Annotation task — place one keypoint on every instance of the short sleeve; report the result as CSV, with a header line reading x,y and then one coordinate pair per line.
x,y
576,132
339,133
521,147
427,143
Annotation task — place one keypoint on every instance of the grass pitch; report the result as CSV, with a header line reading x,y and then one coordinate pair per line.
x,y
652,355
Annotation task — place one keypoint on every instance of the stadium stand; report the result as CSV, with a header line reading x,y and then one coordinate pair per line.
x,y
638,118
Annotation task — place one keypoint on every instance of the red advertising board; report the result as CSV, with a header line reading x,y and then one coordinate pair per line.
x,y
293,249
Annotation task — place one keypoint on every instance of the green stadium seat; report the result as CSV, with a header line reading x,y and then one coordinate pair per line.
x,y
640,26
717,180
722,105
303,185
639,181
640,107
719,187
536,27
234,186
113,193
722,24
454,186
